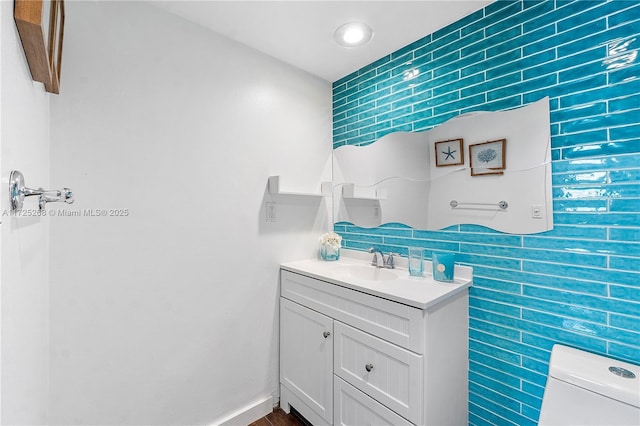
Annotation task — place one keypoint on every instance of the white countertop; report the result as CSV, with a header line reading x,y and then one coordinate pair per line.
x,y
396,284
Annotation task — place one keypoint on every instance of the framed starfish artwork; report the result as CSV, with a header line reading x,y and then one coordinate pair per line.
x,y
449,153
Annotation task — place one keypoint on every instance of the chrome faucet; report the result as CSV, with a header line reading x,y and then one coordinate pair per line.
x,y
378,258
389,262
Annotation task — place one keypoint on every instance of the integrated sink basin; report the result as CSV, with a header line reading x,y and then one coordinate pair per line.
x,y
365,272
356,272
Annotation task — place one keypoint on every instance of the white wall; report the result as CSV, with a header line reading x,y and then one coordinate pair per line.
x,y
169,315
24,248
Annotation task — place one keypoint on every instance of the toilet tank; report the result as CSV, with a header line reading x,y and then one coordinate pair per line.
x,y
587,389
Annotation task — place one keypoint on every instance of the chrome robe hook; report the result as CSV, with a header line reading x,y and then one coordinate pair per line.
x,y
18,191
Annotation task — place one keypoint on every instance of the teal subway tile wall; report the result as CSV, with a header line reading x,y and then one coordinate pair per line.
x,y
578,284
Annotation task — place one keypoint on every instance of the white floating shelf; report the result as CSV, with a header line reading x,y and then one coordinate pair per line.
x,y
275,189
351,191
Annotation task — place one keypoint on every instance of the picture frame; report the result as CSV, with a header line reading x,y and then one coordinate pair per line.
x,y
40,24
449,153
488,158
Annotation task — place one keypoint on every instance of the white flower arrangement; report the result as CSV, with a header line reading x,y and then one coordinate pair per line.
x,y
332,240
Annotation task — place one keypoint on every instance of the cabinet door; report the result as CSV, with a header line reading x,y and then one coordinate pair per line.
x,y
306,357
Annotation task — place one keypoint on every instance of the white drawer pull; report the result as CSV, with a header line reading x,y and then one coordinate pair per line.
x,y
368,367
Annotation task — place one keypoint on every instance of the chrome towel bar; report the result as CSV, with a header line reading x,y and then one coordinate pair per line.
x,y
502,205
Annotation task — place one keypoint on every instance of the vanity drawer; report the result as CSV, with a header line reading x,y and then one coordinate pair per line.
x,y
392,321
352,407
386,372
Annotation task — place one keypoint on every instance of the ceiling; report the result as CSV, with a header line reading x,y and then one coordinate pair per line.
x,y
301,32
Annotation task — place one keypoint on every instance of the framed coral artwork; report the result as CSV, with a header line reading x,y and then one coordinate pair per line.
x,y
488,158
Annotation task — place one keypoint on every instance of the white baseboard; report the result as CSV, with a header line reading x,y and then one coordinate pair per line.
x,y
249,414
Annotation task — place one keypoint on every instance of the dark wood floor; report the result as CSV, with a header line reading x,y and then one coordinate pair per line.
x,y
278,418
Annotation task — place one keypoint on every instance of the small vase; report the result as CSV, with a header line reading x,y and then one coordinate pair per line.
x,y
329,253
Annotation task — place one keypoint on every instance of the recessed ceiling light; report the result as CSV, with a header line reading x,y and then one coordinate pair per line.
x,y
353,34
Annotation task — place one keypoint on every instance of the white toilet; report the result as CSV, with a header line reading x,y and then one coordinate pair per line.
x,y
587,389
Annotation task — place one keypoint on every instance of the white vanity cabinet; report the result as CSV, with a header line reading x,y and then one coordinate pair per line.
x,y
350,357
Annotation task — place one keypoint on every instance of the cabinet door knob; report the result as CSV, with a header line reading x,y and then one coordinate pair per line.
x,y
326,334
368,367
